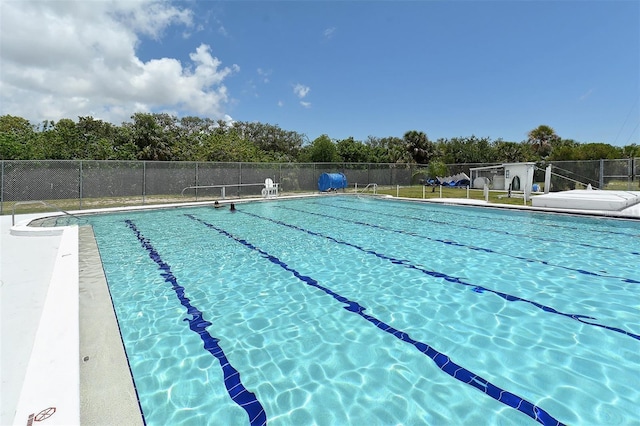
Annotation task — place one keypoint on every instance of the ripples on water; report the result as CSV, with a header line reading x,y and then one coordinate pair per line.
x,y
494,291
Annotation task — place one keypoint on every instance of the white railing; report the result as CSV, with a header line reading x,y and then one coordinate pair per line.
x,y
53,206
374,186
568,178
223,188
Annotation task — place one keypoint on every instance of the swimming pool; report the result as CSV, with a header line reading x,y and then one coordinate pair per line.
x,y
342,310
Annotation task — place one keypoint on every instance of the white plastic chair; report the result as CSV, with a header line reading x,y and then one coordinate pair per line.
x,y
270,189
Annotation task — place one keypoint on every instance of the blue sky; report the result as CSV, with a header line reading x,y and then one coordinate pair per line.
x,y
493,69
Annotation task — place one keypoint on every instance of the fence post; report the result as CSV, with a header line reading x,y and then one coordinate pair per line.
x,y
80,183
144,180
196,181
1,186
391,180
239,178
601,182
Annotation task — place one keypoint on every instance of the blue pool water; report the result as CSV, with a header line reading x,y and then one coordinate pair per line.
x,y
342,310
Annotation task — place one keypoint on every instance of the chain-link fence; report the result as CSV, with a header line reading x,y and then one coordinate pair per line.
x,y
94,184
620,174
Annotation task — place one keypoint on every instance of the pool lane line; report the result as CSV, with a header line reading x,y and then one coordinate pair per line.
x,y
635,253
232,382
532,213
475,228
456,280
442,360
457,244
536,213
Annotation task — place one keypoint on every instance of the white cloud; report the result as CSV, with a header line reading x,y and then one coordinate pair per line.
x,y
264,75
300,90
63,59
585,95
305,104
280,103
329,32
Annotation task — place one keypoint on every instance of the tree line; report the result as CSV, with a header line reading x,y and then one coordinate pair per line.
x,y
162,137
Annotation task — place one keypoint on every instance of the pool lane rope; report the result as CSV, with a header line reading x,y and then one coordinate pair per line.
x,y
232,382
443,361
584,319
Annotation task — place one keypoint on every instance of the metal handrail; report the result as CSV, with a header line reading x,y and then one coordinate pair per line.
x,y
375,188
13,212
566,177
276,185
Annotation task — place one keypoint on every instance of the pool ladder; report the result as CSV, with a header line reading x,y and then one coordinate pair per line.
x,y
372,185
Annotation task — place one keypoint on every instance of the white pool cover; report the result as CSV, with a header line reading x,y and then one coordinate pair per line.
x,y
584,199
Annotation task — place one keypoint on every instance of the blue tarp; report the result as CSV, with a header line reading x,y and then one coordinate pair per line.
x,y
461,179
329,181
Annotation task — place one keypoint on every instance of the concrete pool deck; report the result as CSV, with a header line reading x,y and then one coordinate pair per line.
x,y
51,280
62,358
24,287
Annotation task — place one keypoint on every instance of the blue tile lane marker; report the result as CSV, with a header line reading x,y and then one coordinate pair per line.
x,y
443,362
476,288
236,390
456,244
551,240
506,218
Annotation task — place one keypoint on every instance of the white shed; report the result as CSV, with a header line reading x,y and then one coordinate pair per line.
x,y
514,176
519,176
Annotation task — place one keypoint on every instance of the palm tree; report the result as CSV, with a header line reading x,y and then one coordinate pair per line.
x,y
541,139
419,146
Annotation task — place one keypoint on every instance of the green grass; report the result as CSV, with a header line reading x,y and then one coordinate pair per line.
x,y
622,185
106,202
